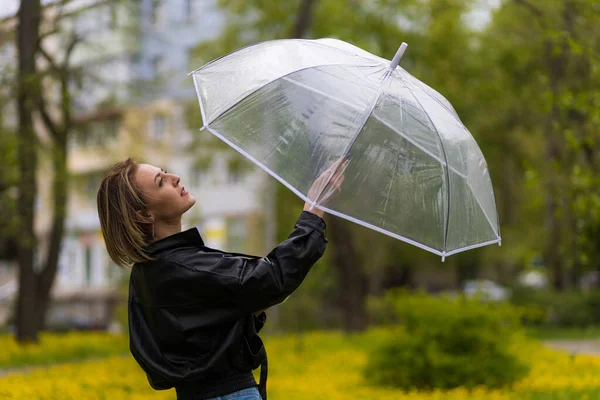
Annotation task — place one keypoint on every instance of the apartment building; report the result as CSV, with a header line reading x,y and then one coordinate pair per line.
x,y
133,101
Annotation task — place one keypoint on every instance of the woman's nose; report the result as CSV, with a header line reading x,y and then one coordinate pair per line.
x,y
176,180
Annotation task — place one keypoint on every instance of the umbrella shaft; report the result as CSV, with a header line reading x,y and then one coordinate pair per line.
x,y
361,125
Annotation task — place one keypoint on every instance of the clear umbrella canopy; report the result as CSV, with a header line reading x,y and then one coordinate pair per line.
x,y
295,107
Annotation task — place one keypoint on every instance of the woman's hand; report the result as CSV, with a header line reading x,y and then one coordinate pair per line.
x,y
333,177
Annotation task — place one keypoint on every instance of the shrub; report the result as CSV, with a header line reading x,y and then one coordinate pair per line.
x,y
448,342
561,309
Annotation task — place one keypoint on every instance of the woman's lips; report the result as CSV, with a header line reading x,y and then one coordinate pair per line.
x,y
183,192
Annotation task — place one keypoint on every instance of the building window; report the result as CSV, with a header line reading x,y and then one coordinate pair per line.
x,y
93,182
156,12
197,174
188,10
97,19
157,65
84,21
97,133
114,16
158,127
234,176
88,265
9,52
237,232
115,273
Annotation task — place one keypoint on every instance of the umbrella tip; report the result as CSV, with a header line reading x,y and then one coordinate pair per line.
x,y
398,55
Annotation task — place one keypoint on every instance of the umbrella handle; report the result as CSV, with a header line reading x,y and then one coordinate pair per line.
x,y
398,55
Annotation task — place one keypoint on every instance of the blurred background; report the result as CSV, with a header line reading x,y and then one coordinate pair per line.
x,y
87,83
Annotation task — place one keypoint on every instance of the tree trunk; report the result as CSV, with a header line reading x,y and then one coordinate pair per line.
x,y
27,36
557,68
303,19
352,281
47,275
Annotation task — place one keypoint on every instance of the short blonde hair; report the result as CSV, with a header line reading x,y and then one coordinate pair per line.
x,y
123,215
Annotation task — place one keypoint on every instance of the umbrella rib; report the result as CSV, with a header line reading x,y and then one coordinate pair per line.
x,y
311,41
202,112
420,147
361,125
378,229
455,171
357,107
447,173
489,220
426,89
245,96
387,197
473,246
341,215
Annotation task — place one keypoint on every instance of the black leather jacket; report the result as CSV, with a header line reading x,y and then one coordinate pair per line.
x,y
192,309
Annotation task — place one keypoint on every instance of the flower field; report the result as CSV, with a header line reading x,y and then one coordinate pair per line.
x,y
313,366
54,348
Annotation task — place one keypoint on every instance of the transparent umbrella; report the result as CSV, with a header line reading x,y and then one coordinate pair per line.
x,y
295,107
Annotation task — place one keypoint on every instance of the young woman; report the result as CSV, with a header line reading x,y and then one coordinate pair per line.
x,y
195,312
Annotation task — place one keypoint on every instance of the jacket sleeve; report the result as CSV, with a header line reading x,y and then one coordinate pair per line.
x,y
267,281
248,284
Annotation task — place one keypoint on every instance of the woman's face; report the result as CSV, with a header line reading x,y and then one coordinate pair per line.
x,y
165,197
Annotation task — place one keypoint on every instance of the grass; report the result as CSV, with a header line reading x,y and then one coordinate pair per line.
x,y
55,348
316,366
557,333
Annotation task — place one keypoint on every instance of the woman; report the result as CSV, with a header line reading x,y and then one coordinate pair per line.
x,y
195,312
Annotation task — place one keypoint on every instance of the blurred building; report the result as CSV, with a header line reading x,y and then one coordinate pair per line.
x,y
132,100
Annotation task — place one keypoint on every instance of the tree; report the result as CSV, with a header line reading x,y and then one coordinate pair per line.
x,y
543,88
60,74
27,90
429,27
46,86
9,171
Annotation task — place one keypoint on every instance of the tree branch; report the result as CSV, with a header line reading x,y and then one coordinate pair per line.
x,y
51,125
533,9
75,39
48,58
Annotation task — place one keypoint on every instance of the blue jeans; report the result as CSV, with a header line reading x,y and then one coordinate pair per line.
x,y
245,394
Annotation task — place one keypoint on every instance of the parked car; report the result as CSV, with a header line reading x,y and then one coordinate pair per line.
x,y
485,289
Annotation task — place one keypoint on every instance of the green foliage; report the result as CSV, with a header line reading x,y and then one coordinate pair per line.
x,y
538,77
448,342
9,224
559,309
55,348
529,77
558,333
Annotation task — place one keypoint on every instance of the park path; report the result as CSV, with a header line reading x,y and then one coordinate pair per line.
x,y
587,346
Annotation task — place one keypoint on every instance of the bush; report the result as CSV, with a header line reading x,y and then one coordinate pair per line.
x,y
448,342
561,309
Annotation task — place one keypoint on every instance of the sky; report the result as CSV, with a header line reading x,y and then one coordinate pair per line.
x,y
10,7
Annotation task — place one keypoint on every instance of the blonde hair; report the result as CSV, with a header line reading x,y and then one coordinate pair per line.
x,y
126,228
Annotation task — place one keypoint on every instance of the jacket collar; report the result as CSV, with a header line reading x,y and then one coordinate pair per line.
x,y
190,237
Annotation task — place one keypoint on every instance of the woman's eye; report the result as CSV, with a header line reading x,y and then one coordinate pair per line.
x,y
160,183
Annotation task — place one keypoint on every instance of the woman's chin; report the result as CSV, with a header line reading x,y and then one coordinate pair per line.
x,y
191,200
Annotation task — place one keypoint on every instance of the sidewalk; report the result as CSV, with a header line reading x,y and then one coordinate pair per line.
x,y
586,346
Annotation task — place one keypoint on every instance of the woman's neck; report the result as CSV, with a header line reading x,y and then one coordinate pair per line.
x,y
162,229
